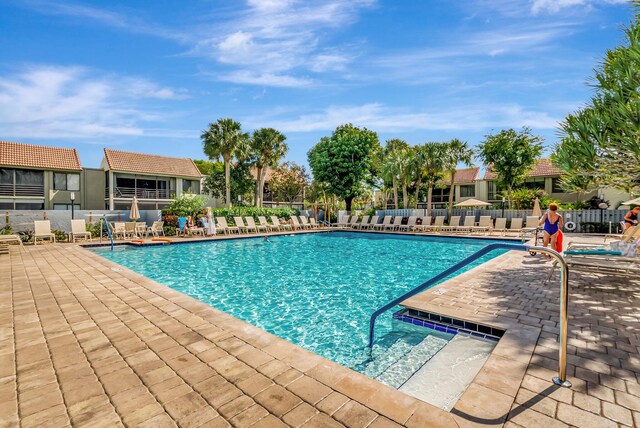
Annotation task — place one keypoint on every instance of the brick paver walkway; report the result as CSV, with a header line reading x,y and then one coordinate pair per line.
x,y
83,344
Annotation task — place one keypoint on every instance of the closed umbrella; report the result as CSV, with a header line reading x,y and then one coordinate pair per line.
x,y
635,201
135,212
537,211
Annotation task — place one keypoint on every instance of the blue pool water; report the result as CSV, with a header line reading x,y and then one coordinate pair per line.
x,y
315,290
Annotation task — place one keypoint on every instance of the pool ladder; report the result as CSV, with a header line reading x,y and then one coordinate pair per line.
x,y
561,379
109,234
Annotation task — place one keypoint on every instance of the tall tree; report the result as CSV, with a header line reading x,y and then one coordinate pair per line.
x,y
225,139
242,182
288,181
456,152
432,155
390,169
267,148
511,156
344,161
611,121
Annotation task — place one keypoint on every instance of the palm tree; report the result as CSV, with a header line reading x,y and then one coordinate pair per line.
x,y
455,152
391,163
225,139
432,155
267,149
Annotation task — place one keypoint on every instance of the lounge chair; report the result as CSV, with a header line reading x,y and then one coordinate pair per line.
x,y
515,226
197,230
156,229
437,225
222,224
251,224
263,221
485,225
79,229
295,223
276,221
454,223
118,230
500,226
632,236
601,260
397,221
353,221
385,222
6,239
304,221
43,231
240,225
130,229
467,225
343,222
363,223
315,224
410,224
532,222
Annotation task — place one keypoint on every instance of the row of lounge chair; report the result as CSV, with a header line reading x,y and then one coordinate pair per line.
x,y
248,224
485,225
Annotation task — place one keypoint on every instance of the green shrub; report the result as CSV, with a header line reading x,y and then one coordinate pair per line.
x,y
60,235
170,230
171,219
6,231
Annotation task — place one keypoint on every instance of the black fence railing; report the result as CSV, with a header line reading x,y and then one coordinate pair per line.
x,y
21,190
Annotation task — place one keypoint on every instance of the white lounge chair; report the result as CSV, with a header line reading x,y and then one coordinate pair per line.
x,y
276,221
343,221
240,224
263,221
315,224
42,231
397,221
454,223
295,223
156,229
353,221
372,223
437,225
515,226
385,222
79,229
485,225
500,226
410,224
363,223
222,224
304,221
7,239
251,224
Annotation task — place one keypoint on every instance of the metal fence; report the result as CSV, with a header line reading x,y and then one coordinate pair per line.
x,y
22,220
612,217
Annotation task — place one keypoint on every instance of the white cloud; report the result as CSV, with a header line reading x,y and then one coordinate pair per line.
x,y
264,79
71,102
554,6
386,119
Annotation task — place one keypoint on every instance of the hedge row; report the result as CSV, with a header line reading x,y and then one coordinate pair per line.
x,y
170,219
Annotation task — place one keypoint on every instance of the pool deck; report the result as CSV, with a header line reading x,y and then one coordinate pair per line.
x,y
86,342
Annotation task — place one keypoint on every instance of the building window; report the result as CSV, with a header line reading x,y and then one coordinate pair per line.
x,y
534,183
468,191
21,182
64,181
556,186
65,207
25,204
191,186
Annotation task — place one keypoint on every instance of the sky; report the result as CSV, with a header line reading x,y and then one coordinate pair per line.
x,y
149,76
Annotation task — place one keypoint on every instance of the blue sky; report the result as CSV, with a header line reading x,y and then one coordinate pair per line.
x,y
149,76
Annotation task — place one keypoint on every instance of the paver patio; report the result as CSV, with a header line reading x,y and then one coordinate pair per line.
x,y
85,342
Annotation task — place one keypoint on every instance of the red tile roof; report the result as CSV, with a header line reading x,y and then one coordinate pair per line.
x,y
463,176
118,160
40,157
542,168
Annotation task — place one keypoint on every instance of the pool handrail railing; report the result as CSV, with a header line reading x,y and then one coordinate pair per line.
x,y
106,223
561,379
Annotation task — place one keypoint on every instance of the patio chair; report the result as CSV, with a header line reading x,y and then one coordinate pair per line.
x,y
385,222
397,221
118,230
467,225
141,229
240,224
79,229
500,226
454,223
363,223
263,221
532,222
295,224
373,222
353,221
343,222
156,229
315,224
632,235
515,226
222,224
42,231
130,229
485,225
197,230
410,224
6,239
251,224
304,221
437,225
276,221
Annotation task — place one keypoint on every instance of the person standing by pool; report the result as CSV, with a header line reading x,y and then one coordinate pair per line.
x,y
552,222
631,218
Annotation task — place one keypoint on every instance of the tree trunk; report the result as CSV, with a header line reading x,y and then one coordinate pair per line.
x,y
418,185
452,193
404,195
347,202
395,195
429,196
509,196
227,180
257,198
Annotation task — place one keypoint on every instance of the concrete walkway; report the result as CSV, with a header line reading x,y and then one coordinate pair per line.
x,y
85,342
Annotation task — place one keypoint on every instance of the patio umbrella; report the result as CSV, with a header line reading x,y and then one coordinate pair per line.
x,y
211,225
635,201
135,213
536,209
472,203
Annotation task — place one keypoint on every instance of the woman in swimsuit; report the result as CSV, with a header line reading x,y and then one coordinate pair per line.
x,y
631,218
552,222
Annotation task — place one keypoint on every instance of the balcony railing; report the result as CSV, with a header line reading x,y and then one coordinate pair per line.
x,y
130,192
21,190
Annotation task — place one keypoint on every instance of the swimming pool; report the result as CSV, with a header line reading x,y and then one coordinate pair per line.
x,y
315,290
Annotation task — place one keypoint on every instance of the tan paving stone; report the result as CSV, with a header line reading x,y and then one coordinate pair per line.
x,y
355,415
581,418
255,384
332,402
250,416
184,405
322,421
310,390
277,400
236,406
300,415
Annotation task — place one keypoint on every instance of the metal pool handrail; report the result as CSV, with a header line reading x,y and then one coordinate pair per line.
x,y
561,379
108,232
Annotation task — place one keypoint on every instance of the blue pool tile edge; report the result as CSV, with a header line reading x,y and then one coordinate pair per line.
x,y
447,324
